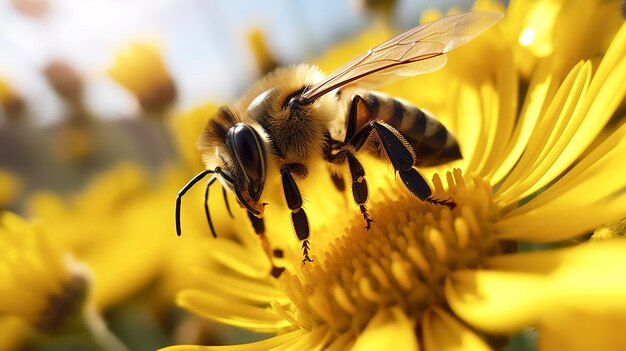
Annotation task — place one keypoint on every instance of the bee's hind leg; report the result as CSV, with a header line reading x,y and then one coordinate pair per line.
x,y
259,229
402,158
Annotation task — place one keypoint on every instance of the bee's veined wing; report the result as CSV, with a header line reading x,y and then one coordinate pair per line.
x,y
417,51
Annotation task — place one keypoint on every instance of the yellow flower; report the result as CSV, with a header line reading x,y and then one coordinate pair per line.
x,y
122,227
44,286
263,58
140,69
428,277
39,285
115,216
562,30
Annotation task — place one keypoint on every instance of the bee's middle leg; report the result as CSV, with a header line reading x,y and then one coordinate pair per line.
x,y
359,184
259,229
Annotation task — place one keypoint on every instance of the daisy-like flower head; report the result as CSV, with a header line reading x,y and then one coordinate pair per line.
x,y
39,284
140,69
434,278
44,286
114,215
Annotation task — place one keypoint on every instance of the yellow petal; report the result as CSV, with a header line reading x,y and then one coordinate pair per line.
x,y
577,331
227,311
470,130
606,92
489,128
483,299
240,288
277,342
443,332
388,330
507,88
548,139
315,340
540,23
343,342
229,253
540,85
589,195
13,331
526,289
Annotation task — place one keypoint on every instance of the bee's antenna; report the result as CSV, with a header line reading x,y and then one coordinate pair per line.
x,y
226,202
183,191
206,205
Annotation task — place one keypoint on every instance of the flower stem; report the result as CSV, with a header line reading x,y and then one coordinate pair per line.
x,y
100,332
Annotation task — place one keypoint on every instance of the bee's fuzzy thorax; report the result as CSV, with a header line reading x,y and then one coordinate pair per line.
x,y
296,134
285,79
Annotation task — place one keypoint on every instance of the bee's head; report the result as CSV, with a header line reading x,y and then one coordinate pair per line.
x,y
248,161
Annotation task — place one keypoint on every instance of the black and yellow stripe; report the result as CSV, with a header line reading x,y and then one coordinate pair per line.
x,y
432,142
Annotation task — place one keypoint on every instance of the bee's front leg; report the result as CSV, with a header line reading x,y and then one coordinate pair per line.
x,y
294,202
259,229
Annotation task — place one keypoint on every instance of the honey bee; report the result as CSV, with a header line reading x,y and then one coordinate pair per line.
x,y
295,120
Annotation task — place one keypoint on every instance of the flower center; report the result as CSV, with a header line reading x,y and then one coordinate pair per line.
x,y
63,304
403,261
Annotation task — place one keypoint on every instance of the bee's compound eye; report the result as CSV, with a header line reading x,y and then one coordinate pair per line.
x,y
247,146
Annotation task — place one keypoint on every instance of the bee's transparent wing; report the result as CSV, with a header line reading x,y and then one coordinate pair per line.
x,y
417,51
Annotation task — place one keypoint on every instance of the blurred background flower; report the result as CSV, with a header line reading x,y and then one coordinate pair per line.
x,y
101,104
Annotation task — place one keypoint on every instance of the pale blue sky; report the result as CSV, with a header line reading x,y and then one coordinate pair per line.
x,y
203,42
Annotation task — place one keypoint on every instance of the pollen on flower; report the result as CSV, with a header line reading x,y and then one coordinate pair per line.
x,y
402,261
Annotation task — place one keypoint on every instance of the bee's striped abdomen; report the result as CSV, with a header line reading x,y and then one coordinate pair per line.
x,y
432,142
